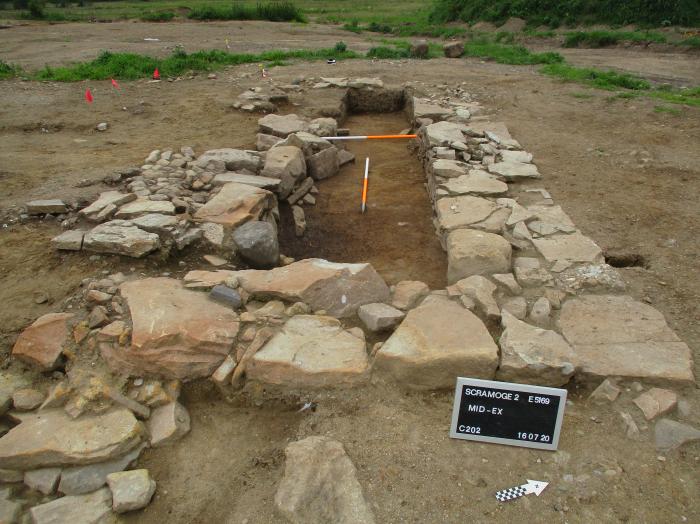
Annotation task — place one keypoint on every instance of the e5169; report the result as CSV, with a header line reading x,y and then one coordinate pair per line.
x,y
538,400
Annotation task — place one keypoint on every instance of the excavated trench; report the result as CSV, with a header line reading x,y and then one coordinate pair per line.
x,y
396,234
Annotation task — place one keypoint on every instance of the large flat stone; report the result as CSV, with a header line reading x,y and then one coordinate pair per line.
x,y
106,198
471,252
530,355
236,204
52,438
320,485
144,207
618,336
234,159
78,480
94,508
310,351
437,342
449,168
443,133
119,237
426,109
477,182
262,182
282,126
177,333
463,211
569,248
339,289
512,171
41,344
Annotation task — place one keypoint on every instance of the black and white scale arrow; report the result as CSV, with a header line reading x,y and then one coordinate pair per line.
x,y
532,486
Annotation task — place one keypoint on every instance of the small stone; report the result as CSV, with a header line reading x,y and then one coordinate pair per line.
x,y
98,317
453,49
632,429
225,295
44,480
481,291
41,344
540,312
379,317
51,207
215,260
516,306
608,391
529,273
656,402
299,221
670,434
97,297
223,373
408,294
102,126
69,241
131,490
168,423
27,399
507,280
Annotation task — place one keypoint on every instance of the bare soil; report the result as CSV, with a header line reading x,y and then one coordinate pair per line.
x,y
627,175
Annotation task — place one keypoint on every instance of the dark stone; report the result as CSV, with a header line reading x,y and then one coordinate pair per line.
x,y
226,295
257,244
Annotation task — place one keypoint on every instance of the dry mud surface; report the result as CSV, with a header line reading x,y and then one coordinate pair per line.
x,y
627,176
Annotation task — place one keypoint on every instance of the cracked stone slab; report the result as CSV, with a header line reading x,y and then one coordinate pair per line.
x,y
569,248
437,342
618,336
311,351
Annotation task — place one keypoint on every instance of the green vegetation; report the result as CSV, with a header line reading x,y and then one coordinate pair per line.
x,y
8,70
162,16
388,52
571,12
608,38
129,66
693,41
273,11
509,54
670,110
601,79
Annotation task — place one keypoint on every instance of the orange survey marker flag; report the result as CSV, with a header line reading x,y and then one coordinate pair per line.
x,y
114,84
156,74
88,96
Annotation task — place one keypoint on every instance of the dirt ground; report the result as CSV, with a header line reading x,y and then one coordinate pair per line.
x,y
626,174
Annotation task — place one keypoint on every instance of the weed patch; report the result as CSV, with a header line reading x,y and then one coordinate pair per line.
x,y
273,11
595,39
601,79
510,54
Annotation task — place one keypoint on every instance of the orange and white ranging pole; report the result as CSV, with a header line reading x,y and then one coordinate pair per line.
x,y
364,185
367,137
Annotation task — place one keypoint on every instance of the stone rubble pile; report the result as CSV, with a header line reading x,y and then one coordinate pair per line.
x,y
176,200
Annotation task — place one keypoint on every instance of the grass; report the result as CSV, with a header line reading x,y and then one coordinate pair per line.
x,y
597,39
163,16
670,110
8,70
273,11
509,54
613,81
610,80
553,13
129,66
583,96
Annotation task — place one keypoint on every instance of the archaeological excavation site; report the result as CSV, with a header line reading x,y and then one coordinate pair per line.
x,y
268,323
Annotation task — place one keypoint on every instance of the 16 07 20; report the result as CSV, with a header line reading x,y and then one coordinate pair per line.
x,y
533,437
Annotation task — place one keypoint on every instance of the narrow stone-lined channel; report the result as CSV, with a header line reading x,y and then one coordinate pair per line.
x,y
396,234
